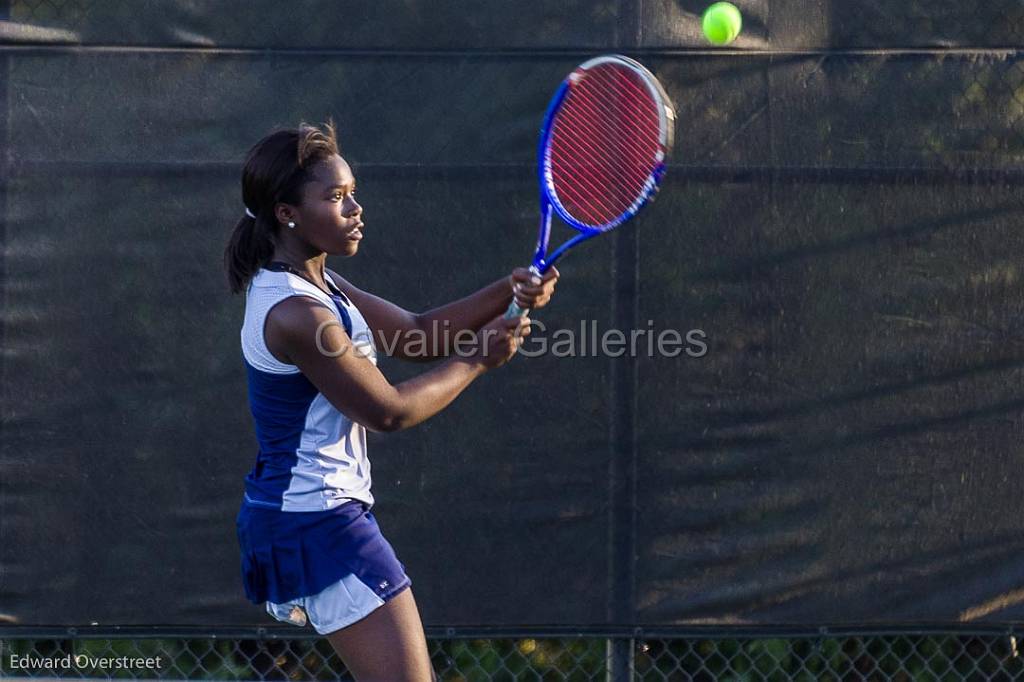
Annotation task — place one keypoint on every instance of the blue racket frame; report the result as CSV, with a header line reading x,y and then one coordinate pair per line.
x,y
549,200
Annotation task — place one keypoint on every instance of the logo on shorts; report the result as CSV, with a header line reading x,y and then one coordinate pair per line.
x,y
384,585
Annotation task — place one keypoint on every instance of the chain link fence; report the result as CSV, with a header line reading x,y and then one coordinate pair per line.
x,y
917,657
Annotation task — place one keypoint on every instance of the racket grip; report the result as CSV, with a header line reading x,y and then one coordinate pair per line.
x,y
513,308
515,311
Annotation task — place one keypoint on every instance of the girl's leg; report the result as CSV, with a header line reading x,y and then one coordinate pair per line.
x,y
388,645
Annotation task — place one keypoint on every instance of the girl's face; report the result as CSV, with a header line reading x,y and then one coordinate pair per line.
x,y
329,218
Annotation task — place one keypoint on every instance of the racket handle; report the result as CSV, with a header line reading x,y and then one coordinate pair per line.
x,y
515,311
513,308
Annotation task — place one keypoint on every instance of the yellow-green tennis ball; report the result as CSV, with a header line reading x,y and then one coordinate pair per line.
x,y
722,23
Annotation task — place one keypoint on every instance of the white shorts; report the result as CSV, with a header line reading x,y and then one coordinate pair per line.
x,y
345,602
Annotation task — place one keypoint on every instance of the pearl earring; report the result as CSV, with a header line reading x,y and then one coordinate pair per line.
x,y
291,224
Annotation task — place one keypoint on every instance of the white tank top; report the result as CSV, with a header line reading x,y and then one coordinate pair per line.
x,y
311,456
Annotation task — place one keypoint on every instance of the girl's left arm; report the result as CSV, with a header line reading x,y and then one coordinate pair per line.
x,y
421,337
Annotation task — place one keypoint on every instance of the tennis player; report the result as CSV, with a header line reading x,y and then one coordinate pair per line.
x,y
311,549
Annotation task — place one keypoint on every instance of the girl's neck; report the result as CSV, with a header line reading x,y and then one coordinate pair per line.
x,y
313,268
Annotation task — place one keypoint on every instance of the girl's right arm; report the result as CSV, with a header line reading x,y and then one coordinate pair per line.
x,y
354,385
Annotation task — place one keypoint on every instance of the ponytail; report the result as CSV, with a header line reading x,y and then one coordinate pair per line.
x,y
251,246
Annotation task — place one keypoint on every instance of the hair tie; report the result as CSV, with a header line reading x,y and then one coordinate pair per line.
x,y
249,213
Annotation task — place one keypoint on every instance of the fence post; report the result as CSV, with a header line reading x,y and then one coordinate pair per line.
x,y
620,659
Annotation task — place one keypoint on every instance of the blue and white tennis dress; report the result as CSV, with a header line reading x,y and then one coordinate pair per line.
x,y
310,547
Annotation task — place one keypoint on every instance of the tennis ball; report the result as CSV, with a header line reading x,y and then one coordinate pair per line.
x,y
721,23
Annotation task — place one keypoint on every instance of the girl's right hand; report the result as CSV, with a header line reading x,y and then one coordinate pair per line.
x,y
499,339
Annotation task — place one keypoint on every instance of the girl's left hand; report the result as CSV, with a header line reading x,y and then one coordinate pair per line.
x,y
532,292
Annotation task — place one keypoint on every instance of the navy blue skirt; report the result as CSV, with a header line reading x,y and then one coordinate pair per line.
x,y
289,555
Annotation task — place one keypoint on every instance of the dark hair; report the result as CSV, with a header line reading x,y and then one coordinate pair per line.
x,y
276,169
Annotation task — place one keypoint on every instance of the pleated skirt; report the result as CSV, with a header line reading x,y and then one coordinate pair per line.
x,y
288,555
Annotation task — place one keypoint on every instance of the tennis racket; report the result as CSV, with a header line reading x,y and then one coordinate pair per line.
x,y
603,146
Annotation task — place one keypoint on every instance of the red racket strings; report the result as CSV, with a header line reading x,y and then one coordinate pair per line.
x,y
604,144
